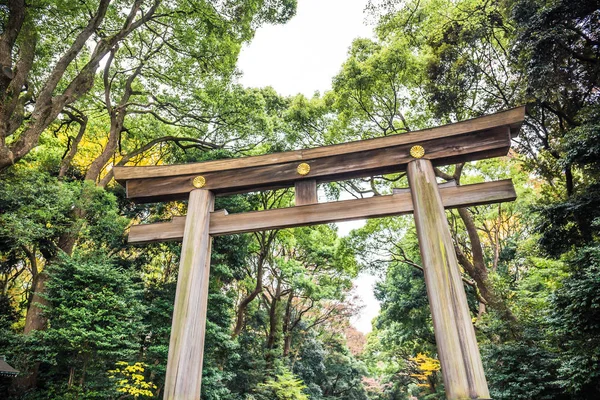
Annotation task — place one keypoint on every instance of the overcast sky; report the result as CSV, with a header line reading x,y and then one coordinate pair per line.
x,y
303,56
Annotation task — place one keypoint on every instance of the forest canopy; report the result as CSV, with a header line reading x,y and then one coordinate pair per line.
x,y
89,85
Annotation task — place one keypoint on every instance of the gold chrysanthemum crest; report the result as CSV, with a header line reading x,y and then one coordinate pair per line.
x,y
417,151
303,169
199,182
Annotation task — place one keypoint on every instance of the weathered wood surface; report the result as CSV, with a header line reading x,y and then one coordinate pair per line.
x,y
305,192
455,337
472,146
440,187
475,139
186,348
512,118
222,223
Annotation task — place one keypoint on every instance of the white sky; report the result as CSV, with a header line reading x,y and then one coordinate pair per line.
x,y
303,56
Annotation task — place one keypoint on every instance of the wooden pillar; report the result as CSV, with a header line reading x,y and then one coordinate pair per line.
x,y
454,333
186,348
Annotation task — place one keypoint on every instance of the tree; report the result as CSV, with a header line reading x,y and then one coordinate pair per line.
x,y
34,89
556,45
148,49
391,85
475,57
96,316
284,387
575,324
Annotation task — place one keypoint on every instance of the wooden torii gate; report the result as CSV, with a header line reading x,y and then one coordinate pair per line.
x,y
416,153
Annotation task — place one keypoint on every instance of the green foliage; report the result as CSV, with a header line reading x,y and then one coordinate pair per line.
x,y
522,370
553,43
173,82
571,223
576,324
343,375
403,300
96,320
329,370
38,209
35,208
285,386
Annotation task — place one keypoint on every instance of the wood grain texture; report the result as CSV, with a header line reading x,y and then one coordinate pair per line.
x,y
305,192
512,118
401,203
186,347
444,150
454,333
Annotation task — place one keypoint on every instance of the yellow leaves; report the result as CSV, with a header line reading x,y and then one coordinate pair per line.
x,y
130,379
426,366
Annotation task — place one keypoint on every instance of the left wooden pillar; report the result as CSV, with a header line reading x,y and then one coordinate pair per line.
x,y
186,348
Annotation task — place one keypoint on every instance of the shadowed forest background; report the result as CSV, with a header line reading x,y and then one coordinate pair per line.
x,y
86,85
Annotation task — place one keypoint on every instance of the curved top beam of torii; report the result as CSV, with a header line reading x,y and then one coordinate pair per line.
x,y
474,139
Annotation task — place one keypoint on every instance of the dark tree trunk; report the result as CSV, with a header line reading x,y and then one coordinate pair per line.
x,y
478,271
273,317
569,180
476,268
287,326
266,239
273,323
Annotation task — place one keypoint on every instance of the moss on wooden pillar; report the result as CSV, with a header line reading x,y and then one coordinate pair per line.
x,y
454,333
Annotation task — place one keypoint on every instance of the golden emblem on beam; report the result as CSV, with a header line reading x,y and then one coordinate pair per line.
x,y
303,169
199,182
417,151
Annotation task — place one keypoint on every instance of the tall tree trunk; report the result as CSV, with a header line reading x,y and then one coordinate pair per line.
x,y
73,145
273,322
266,239
273,317
34,319
241,311
478,271
287,326
71,377
569,180
476,268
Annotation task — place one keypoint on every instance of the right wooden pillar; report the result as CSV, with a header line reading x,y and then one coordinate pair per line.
x,y
454,333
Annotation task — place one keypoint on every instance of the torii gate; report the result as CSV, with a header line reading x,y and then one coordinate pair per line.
x,y
416,152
